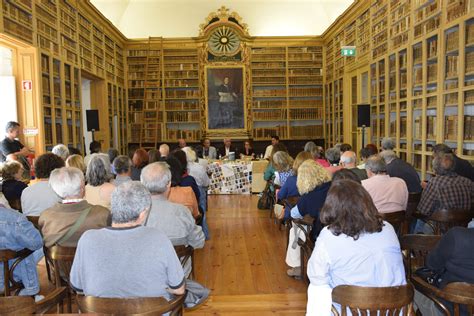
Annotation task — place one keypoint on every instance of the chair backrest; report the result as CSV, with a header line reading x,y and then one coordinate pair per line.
x,y
460,293
413,200
9,284
185,253
415,248
444,219
372,300
127,306
397,220
62,258
291,201
34,220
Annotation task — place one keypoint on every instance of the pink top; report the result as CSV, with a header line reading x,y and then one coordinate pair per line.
x,y
390,194
332,169
323,162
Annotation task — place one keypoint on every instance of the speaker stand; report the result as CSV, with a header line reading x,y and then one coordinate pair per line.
x,y
92,131
363,136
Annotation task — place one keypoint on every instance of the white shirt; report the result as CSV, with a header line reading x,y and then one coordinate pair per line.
x,y
198,172
268,152
373,260
390,194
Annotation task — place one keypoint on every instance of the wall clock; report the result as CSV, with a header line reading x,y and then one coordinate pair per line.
x,y
224,41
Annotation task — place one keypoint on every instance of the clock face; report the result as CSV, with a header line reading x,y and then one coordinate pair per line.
x,y
224,41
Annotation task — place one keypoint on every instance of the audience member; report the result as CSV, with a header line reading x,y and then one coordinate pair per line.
x,y
461,166
112,153
372,149
289,189
345,147
268,150
153,156
333,155
109,260
122,166
98,175
453,260
448,190
345,174
57,222
282,163
18,233
269,173
390,194
248,150
164,151
181,143
12,186
61,151
313,183
348,161
208,151
399,168
74,151
355,248
139,161
12,149
76,161
95,147
388,143
186,179
317,153
309,146
40,196
365,153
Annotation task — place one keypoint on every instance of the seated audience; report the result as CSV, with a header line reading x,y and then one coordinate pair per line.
x,y
61,151
348,161
269,173
313,183
56,222
179,194
98,176
164,151
388,143
76,161
268,150
355,248
453,259
399,168
366,153
345,174
390,194
122,166
18,233
40,196
74,151
248,150
194,169
208,151
182,143
171,218
139,161
289,189
153,155
112,153
110,260
448,190
282,162
12,186
186,179
461,166
333,155
345,147
94,148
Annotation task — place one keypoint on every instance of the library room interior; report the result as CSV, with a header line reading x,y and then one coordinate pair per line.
x,y
290,157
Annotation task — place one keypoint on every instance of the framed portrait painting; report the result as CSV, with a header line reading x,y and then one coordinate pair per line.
x,y
225,98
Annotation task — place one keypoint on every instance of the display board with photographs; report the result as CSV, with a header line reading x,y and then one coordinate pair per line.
x,y
230,177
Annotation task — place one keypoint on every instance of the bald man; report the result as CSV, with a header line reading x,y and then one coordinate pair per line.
x,y
348,161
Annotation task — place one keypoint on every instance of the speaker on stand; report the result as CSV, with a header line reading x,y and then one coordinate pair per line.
x,y
92,121
363,119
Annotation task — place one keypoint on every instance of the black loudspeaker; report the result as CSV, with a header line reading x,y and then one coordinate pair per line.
x,y
363,115
92,119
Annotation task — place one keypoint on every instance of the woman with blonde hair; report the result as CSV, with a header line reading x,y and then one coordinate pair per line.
x,y
76,161
283,163
313,183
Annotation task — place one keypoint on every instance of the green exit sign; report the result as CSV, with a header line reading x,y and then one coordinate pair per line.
x,y
348,51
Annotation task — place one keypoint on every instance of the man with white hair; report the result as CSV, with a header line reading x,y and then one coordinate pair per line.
x,y
348,161
127,259
173,219
164,151
61,151
399,168
65,222
122,166
390,194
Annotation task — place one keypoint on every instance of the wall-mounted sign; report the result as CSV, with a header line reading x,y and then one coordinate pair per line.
x,y
348,51
27,85
30,131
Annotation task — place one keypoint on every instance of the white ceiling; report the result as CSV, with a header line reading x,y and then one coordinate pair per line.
x,y
181,18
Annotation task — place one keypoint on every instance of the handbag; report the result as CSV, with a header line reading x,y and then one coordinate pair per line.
x,y
431,277
279,211
265,201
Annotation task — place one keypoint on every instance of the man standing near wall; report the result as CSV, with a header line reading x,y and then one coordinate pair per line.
x,y
12,149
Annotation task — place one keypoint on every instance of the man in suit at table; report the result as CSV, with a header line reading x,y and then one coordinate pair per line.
x,y
228,148
208,151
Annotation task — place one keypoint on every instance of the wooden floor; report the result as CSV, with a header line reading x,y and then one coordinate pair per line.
x,y
243,263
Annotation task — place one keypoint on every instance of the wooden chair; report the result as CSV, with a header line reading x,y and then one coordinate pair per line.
x,y
186,253
306,246
62,259
289,203
34,220
415,249
458,293
413,200
131,306
10,285
23,305
442,220
398,221
374,300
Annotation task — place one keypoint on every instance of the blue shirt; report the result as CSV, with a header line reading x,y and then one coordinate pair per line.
x,y
288,189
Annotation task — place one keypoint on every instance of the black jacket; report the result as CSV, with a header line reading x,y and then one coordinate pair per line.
x,y
403,170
